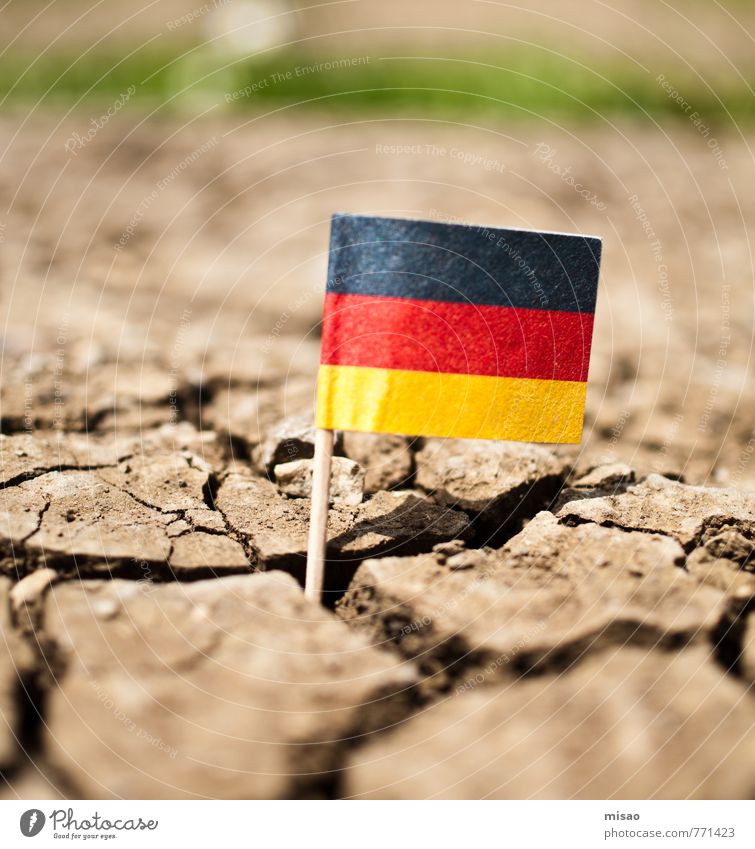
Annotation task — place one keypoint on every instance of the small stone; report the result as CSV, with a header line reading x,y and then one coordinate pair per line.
x,y
346,480
627,724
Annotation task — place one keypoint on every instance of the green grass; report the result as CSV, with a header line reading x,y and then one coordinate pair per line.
x,y
513,84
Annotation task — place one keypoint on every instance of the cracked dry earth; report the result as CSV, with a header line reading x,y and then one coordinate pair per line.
x,y
500,620
519,630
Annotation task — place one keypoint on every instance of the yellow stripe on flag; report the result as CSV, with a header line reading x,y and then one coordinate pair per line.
x,y
455,405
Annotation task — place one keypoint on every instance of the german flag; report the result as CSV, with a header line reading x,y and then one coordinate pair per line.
x,y
455,330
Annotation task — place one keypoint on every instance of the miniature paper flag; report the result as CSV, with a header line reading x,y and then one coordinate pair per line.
x,y
453,330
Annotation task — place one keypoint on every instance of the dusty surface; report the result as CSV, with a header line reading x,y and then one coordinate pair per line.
x,y
549,596
621,726
692,515
487,598
249,691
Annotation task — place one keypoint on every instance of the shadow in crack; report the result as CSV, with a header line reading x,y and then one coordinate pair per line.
x,y
495,521
414,527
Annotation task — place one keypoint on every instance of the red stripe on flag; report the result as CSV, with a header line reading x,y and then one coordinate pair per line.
x,y
440,336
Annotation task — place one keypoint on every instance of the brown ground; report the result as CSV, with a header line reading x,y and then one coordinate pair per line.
x,y
505,592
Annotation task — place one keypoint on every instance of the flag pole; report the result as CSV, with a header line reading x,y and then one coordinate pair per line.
x,y
318,521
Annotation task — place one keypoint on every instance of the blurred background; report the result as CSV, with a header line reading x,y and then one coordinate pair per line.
x,y
169,168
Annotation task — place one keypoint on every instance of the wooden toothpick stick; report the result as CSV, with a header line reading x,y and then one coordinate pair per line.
x,y
318,522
